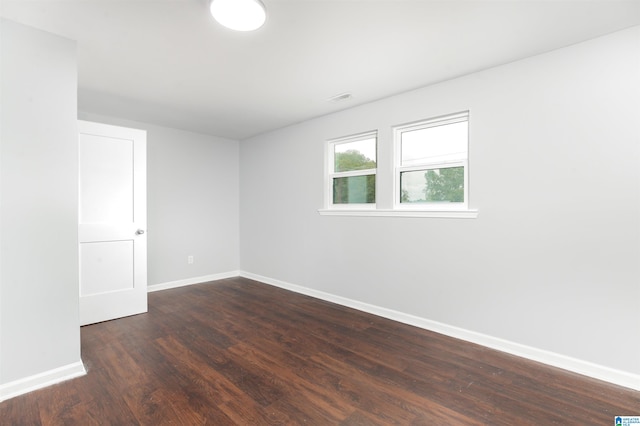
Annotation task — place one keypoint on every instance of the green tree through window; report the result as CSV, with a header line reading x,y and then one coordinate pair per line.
x,y
354,189
445,185
353,160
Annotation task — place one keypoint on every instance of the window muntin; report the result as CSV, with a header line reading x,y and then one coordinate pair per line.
x,y
352,170
431,163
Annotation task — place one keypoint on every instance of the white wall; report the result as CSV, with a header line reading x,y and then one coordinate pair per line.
x,y
553,260
39,325
193,202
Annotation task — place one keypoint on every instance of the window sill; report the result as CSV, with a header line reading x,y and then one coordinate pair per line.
x,y
454,214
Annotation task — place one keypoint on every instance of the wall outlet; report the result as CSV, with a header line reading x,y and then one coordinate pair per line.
x,y
190,260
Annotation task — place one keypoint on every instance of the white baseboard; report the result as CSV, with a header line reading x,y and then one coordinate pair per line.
x,y
38,381
596,371
190,281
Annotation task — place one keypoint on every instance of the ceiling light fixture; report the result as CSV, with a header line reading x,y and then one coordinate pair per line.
x,y
239,15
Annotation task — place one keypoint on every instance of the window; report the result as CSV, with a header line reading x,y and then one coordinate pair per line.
x,y
431,167
352,171
423,171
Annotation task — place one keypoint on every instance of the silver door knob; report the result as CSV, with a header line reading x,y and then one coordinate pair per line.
x,y
140,232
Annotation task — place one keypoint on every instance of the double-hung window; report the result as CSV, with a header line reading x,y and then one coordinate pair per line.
x,y
431,164
424,171
352,171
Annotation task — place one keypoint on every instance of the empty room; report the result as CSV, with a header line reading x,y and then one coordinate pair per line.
x,y
349,212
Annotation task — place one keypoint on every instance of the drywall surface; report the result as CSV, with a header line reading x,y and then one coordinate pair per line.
x,y
192,202
40,329
553,259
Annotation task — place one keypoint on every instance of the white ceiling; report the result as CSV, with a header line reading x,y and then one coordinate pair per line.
x,y
167,62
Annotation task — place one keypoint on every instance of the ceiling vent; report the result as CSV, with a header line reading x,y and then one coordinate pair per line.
x,y
340,98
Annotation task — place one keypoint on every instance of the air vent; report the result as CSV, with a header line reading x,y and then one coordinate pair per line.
x,y
340,98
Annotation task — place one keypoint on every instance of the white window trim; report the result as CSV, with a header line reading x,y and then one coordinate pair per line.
x,y
411,210
443,214
330,175
431,206
440,208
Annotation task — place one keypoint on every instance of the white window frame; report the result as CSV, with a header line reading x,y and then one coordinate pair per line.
x,y
388,171
331,174
463,161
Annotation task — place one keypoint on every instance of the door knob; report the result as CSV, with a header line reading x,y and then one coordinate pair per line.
x,y
140,232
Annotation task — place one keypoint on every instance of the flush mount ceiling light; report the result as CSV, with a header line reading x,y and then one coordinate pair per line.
x,y
239,15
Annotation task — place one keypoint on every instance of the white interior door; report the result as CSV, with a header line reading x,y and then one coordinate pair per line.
x,y
112,222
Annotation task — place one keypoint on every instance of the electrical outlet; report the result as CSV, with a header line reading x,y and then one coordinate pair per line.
x,y
190,260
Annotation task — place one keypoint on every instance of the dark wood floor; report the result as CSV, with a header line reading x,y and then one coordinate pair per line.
x,y
240,352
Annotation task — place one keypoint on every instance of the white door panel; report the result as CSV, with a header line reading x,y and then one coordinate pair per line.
x,y
112,212
106,167
106,267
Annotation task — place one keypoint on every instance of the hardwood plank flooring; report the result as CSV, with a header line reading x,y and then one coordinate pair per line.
x,y
237,351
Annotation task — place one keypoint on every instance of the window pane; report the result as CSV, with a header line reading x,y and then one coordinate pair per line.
x,y
354,190
434,144
433,185
358,155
